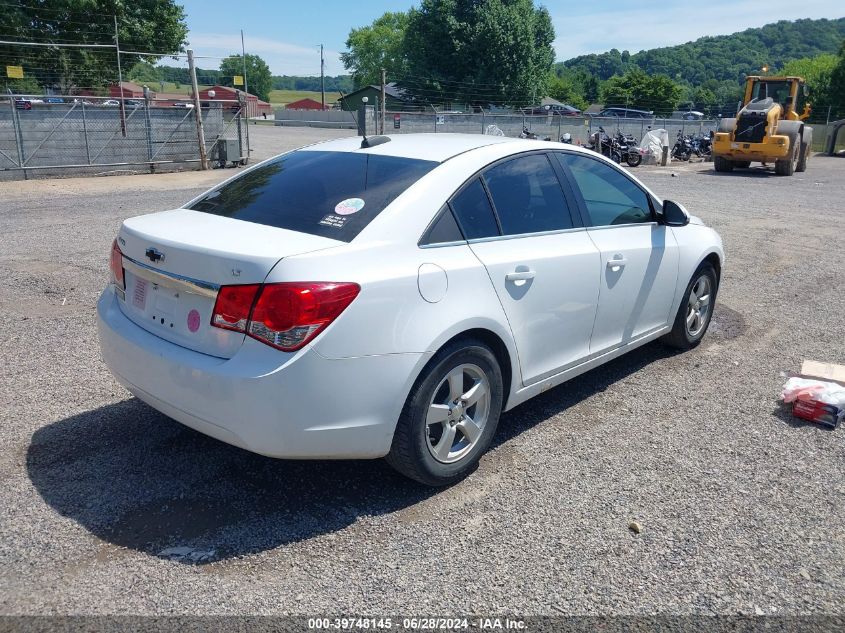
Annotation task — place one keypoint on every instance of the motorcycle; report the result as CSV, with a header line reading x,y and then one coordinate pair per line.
x,y
566,138
683,148
600,142
625,148
526,133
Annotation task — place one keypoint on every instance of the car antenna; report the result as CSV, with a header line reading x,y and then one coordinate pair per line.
x,y
366,142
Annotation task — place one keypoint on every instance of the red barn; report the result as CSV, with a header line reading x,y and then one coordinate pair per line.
x,y
304,104
255,106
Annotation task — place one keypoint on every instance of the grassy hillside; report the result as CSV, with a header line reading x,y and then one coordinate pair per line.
x,y
282,97
723,57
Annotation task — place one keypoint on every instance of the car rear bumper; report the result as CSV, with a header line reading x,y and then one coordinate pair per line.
x,y
299,405
777,148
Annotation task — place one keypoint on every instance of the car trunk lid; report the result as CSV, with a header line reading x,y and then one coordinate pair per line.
x,y
175,261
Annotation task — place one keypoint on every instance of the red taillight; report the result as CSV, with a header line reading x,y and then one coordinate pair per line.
x,y
285,315
231,310
116,265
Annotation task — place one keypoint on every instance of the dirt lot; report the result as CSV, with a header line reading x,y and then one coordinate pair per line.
x,y
741,507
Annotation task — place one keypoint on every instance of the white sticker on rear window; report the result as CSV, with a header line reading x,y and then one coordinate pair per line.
x,y
349,206
333,220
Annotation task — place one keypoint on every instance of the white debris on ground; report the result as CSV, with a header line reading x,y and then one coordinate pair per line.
x,y
184,553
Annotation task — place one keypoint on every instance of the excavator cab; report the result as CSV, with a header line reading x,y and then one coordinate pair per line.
x,y
768,127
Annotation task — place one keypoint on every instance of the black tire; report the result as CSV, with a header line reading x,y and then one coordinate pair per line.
x,y
681,337
786,167
742,164
633,159
410,453
722,164
803,158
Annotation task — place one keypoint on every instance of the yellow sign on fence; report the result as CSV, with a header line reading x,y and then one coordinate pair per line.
x,y
239,80
14,72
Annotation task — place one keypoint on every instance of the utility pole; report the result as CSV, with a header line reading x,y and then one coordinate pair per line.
x,y
197,111
246,90
383,107
322,78
119,79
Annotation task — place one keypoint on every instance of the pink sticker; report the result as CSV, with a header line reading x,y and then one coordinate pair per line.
x,y
193,320
349,206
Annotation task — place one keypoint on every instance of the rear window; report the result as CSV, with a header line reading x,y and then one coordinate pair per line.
x,y
331,194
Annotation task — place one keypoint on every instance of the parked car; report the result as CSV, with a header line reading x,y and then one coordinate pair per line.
x,y
23,104
55,100
692,115
392,296
111,103
626,113
132,103
183,105
559,110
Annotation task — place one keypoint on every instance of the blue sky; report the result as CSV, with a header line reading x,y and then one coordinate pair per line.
x,y
287,34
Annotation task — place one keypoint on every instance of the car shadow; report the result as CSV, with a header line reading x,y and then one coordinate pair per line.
x,y
139,480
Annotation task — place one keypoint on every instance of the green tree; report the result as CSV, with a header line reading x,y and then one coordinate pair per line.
x,y
143,25
144,73
837,85
636,89
466,51
567,91
817,71
258,78
377,46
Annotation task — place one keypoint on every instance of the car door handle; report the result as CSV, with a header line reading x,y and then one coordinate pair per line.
x,y
520,275
617,262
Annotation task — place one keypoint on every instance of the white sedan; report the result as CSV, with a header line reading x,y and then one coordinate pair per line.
x,y
392,296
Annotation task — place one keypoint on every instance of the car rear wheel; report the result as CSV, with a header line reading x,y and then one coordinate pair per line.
x,y
450,415
696,309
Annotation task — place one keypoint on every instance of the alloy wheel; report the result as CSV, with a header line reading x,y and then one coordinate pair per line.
x,y
698,306
457,414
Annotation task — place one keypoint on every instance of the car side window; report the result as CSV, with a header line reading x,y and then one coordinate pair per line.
x,y
527,196
610,197
473,212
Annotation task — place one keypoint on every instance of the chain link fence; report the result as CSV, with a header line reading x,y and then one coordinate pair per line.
x,y
54,136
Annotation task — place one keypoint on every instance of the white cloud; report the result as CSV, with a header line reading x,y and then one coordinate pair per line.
x,y
282,57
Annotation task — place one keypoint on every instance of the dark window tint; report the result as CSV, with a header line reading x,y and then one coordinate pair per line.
x,y
333,194
610,196
473,212
527,196
444,229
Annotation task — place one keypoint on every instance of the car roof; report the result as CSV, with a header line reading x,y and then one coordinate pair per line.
x,y
434,147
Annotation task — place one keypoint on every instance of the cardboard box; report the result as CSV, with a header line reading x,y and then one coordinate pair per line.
x,y
823,371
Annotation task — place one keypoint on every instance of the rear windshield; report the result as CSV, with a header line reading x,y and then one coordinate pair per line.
x,y
331,194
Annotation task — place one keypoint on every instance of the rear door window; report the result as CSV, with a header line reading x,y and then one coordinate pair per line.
x,y
527,196
331,194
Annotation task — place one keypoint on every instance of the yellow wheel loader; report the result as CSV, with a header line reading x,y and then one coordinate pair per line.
x,y
768,128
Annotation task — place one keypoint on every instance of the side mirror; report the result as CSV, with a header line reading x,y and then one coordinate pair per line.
x,y
674,214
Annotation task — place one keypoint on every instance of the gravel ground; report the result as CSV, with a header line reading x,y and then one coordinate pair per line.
x,y
108,507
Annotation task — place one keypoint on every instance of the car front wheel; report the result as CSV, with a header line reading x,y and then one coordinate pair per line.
x,y
450,415
696,309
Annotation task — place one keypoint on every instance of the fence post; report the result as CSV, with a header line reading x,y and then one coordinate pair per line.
x,y
482,121
16,124
85,134
197,110
148,126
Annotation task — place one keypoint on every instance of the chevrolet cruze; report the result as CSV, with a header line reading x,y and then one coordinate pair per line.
x,y
391,296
